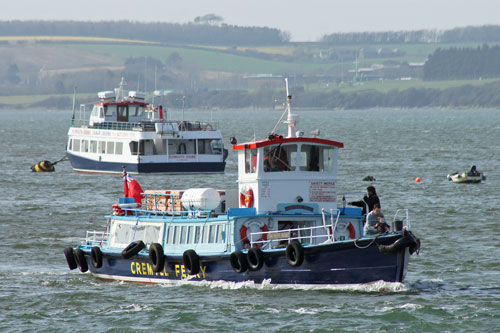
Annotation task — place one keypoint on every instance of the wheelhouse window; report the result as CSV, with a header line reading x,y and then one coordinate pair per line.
x,y
280,158
109,110
316,158
250,160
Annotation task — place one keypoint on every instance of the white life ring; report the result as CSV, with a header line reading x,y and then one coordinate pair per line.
x,y
344,230
254,226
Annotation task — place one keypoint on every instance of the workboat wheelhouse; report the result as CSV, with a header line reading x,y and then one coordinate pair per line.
x,y
282,224
126,131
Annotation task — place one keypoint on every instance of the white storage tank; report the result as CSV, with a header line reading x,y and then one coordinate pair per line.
x,y
200,199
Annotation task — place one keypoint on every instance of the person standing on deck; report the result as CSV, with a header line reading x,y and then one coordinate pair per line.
x,y
369,200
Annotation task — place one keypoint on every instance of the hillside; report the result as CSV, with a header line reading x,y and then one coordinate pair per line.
x,y
44,66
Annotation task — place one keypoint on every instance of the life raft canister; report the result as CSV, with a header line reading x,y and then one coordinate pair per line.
x,y
261,225
246,197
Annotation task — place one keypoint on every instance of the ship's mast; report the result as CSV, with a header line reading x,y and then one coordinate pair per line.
x,y
291,118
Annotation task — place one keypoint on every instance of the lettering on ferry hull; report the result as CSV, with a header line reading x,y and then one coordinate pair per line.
x,y
142,268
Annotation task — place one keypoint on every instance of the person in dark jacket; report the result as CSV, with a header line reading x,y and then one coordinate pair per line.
x,y
369,200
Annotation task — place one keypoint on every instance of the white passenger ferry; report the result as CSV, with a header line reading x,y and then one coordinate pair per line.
x,y
126,131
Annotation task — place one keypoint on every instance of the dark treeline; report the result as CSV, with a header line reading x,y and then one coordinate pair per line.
x,y
485,96
204,34
463,63
482,34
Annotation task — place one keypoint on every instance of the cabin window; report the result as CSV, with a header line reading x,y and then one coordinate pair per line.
x,y
182,239
189,236
122,113
315,158
93,146
197,234
137,111
101,112
171,235
206,233
76,145
107,111
110,147
203,146
280,158
216,146
177,234
327,159
250,160
101,147
85,146
119,148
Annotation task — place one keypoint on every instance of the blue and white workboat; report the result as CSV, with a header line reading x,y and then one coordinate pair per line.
x,y
282,224
126,131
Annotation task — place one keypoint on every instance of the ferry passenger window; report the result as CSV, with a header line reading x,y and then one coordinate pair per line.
x,y
85,146
101,112
133,147
76,145
152,234
110,147
189,236
171,235
250,160
119,148
206,233
93,146
211,234
177,232
280,158
197,232
183,236
101,148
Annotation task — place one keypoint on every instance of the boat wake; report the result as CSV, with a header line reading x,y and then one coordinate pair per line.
x,y
376,286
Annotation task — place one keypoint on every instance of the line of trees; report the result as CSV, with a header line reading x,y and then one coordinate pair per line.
x,y
463,63
190,33
481,34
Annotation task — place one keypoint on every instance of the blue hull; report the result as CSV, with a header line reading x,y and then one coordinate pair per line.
x,y
86,165
337,263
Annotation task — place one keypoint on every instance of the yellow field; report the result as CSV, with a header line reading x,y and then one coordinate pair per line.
x,y
71,39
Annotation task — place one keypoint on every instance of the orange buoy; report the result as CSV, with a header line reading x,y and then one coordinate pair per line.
x,y
418,180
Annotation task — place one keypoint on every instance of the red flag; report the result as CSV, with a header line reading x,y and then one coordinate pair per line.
x,y
132,189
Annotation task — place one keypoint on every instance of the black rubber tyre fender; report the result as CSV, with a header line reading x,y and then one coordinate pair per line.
x,y
132,249
238,261
96,257
156,257
255,258
191,261
81,261
294,253
70,258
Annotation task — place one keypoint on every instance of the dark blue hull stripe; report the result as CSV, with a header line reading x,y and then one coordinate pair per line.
x,y
86,165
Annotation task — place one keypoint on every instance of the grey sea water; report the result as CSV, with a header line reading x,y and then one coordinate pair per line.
x,y
452,286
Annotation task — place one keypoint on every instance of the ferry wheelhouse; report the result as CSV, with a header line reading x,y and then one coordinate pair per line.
x,y
127,131
282,224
